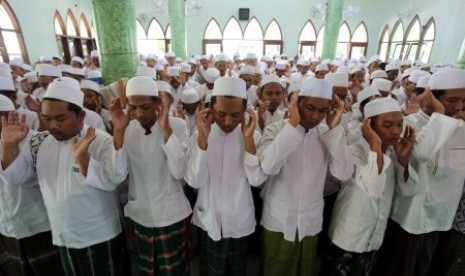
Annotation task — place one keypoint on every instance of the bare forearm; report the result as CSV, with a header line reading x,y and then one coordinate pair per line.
x,y
118,138
83,163
250,145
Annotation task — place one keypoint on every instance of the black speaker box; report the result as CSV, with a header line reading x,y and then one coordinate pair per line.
x,y
244,14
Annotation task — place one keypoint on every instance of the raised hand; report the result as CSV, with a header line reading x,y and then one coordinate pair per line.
x,y
180,113
204,125
412,105
119,119
163,119
333,118
405,145
370,135
80,148
430,104
14,129
293,110
32,104
249,127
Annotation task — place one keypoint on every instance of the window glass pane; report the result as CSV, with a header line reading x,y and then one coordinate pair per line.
x,y
426,51
155,31
414,33
232,30
307,50
429,35
253,31
360,34
383,50
412,51
213,31
60,46
83,29
308,33
398,33
58,29
321,34
341,50
11,42
212,49
357,52
70,30
272,50
273,32
344,33
386,36
168,33
140,31
5,21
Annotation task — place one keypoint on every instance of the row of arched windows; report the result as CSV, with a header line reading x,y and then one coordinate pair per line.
x,y
11,38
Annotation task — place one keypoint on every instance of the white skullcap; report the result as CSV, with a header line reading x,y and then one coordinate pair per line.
x,y
6,104
205,57
185,67
79,72
355,70
322,67
447,78
141,86
374,58
163,86
406,63
212,74
26,67
178,60
18,62
391,66
162,61
338,79
151,57
270,79
94,53
78,60
58,57
91,85
367,93
160,67
191,61
5,72
316,88
406,73
259,70
268,59
173,71
251,56
48,70
65,68
7,84
382,85
293,87
283,55
416,74
246,70
425,65
337,62
190,96
69,81
169,55
381,106
303,62
378,74
285,80
230,86
94,74
314,59
344,69
423,81
281,65
31,76
146,71
326,61
63,90
45,58
222,57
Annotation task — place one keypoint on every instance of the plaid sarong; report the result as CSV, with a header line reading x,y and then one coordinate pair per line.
x,y
163,250
103,259
35,255
227,256
449,257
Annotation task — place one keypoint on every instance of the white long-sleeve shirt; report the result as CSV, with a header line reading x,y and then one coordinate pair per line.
x,y
362,208
438,157
80,215
32,120
93,119
297,163
223,174
278,115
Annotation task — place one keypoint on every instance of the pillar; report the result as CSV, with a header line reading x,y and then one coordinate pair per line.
x,y
178,27
332,24
461,62
115,24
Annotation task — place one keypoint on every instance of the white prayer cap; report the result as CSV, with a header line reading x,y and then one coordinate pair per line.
x,y
26,67
45,58
94,53
326,61
169,55
31,76
185,67
230,86
423,81
367,93
154,57
162,61
5,72
355,70
391,66
314,59
146,71
18,62
212,74
78,60
7,84
293,87
205,57
246,70
303,62
447,78
317,88
65,68
141,86
91,85
425,65
79,72
58,57
406,73
6,104
191,61
251,56
382,85
381,106
160,67
222,57
63,90
258,70
69,81
48,70
416,74
94,74
268,59
270,79
338,79
163,86
281,65
283,55
374,58
178,60
362,59
173,71
406,63
344,69
190,96
378,74
322,67
337,62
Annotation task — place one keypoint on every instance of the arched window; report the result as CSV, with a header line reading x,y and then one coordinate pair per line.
x,y
342,50
72,32
86,36
153,41
11,42
383,43
397,39
307,40
212,38
319,42
359,42
412,40
253,38
428,36
232,37
273,42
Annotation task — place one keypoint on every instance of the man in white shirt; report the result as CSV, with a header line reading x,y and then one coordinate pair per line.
x,y
188,108
46,74
270,97
93,101
246,73
72,163
223,166
297,153
304,66
155,146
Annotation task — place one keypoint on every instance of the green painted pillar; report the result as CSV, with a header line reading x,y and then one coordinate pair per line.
x,y
332,24
461,62
115,24
178,27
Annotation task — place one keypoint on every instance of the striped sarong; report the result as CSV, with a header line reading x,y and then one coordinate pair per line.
x,y
227,256
281,257
449,257
96,260
35,255
163,250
